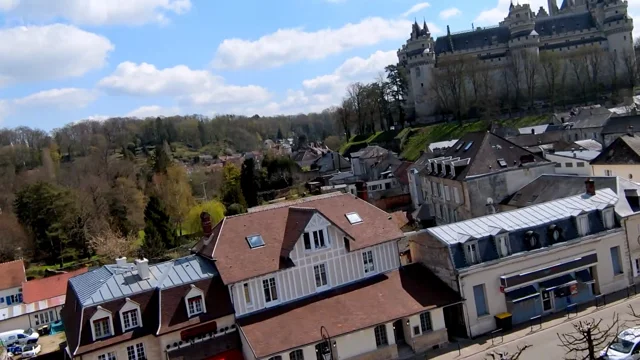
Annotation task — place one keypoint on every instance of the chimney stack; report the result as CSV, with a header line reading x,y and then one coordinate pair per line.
x,y
590,187
121,261
205,220
143,268
533,131
630,130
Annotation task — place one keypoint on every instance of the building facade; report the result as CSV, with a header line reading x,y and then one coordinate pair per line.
x,y
572,162
620,158
532,261
577,24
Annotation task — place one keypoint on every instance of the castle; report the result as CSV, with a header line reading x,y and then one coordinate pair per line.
x,y
601,24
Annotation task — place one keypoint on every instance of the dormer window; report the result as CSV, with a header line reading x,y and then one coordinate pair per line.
x,y
315,240
502,244
194,301
130,315
607,218
101,324
472,253
582,222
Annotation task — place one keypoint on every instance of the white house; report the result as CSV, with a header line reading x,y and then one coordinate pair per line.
x,y
11,284
574,162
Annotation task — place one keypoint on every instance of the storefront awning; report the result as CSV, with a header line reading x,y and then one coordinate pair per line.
x,y
584,276
521,294
560,281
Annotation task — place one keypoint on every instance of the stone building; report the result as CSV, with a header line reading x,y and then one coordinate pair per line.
x,y
577,25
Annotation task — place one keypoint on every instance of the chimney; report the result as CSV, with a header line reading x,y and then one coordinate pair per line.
x,y
143,268
533,131
590,187
630,130
205,220
121,261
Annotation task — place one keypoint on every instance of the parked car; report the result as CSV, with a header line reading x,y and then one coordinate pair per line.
x,y
19,336
30,350
626,346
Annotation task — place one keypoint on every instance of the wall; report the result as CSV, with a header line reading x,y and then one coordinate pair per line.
x,y
151,348
434,255
630,171
15,323
578,166
489,274
297,282
632,227
174,337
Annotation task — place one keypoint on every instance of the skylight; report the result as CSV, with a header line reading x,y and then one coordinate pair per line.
x,y
353,218
255,241
502,163
459,146
468,146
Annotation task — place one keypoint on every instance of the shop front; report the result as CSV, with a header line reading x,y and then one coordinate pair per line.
x,y
538,292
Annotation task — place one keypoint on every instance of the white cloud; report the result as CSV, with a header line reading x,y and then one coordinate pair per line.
x,y
416,8
449,13
66,98
96,12
495,15
98,117
292,45
195,87
144,112
38,53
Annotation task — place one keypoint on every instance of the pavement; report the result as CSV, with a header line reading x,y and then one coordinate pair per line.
x,y
543,337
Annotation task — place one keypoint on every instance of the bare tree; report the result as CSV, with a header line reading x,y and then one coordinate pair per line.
x,y
110,245
505,355
578,64
530,65
588,338
630,67
356,92
612,61
451,76
344,116
595,63
514,71
551,68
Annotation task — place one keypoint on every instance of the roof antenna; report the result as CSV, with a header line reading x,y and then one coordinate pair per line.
x,y
473,27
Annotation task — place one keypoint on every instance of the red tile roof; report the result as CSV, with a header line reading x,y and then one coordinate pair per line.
x,y
380,299
279,225
13,274
49,287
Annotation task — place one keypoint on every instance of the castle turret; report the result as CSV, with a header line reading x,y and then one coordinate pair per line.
x,y
618,27
552,5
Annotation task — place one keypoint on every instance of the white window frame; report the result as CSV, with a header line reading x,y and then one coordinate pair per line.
x,y
582,223
502,242
423,324
472,252
320,268
608,172
368,262
277,292
130,305
133,352
194,293
246,292
607,218
312,242
102,313
108,356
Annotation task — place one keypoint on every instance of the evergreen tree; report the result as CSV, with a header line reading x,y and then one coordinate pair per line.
x,y
249,183
153,245
279,135
161,160
231,190
157,220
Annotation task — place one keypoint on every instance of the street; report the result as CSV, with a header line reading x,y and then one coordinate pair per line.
x,y
545,342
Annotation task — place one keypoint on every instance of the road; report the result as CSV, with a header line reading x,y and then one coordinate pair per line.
x,y
545,342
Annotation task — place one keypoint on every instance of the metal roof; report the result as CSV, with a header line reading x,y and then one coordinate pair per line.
x,y
582,155
112,281
523,218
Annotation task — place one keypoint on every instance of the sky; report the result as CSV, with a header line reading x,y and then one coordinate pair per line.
x,y
68,60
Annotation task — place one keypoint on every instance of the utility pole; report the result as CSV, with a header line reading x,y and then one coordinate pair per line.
x,y
204,189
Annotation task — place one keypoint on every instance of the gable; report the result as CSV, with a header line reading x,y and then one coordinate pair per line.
x,y
317,222
624,150
129,305
100,313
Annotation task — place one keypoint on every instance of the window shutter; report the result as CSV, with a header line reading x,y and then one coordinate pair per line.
x,y
446,193
456,195
636,262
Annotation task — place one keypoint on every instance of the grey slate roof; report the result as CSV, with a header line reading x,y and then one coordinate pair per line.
x,y
591,118
549,187
472,39
624,150
111,281
563,23
582,155
620,124
523,218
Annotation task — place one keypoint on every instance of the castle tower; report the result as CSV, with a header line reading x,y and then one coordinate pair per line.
x,y
618,27
552,6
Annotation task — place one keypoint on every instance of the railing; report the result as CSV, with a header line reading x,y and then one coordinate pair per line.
x,y
493,335
570,308
535,319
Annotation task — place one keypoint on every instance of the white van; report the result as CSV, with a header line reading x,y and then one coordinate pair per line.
x,y
626,346
19,336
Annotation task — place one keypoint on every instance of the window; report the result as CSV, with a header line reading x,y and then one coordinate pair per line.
x,y
480,299
580,164
247,293
347,245
425,322
255,241
473,255
456,195
101,328
354,218
608,173
615,260
468,146
320,273
296,355
502,244
270,291
583,225
568,164
636,267
108,356
130,319
318,240
441,191
607,218
136,352
446,193
380,333
367,259
558,165
195,305
277,357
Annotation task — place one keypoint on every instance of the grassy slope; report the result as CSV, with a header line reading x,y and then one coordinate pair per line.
x,y
440,132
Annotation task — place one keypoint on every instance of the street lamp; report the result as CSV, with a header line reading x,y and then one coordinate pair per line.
x,y
327,341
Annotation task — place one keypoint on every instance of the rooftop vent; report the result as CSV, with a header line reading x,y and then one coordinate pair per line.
x,y
502,163
143,268
353,218
121,261
255,241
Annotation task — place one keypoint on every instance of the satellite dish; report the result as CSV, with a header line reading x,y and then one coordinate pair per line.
x,y
489,201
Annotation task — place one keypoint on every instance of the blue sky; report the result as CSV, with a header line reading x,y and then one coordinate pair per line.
x,y
68,60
